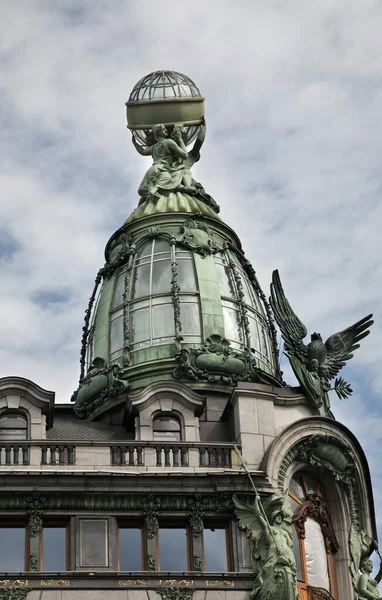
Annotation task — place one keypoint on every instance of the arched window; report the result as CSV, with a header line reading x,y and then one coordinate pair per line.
x,y
150,301
238,293
13,426
314,540
166,428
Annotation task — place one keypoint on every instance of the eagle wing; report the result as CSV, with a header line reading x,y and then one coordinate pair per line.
x,y
341,345
292,329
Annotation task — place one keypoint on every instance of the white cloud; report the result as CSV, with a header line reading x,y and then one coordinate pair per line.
x,y
293,100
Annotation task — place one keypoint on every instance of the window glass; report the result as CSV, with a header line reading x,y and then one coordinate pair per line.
x,y
215,549
186,276
296,487
253,331
190,318
162,246
316,557
225,279
145,250
166,429
297,553
161,277
140,325
232,325
173,549
141,285
54,548
12,548
130,549
118,291
163,322
116,334
13,426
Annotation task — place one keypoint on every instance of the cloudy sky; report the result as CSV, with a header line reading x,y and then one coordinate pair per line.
x,y
293,156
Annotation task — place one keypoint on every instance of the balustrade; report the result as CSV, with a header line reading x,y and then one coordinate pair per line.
x,y
59,454
14,454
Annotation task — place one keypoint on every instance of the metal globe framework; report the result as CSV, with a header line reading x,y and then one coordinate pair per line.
x,y
166,97
164,84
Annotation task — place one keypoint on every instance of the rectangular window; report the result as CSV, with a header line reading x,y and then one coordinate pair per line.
x,y
54,548
130,549
173,549
215,549
12,548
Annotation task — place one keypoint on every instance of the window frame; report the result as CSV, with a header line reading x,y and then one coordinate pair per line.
x,y
18,523
169,415
174,255
244,300
16,413
210,524
123,523
298,521
49,524
168,523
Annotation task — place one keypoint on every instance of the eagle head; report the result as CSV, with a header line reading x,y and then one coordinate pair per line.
x,y
316,337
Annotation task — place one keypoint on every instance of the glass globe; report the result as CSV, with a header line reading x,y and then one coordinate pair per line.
x,y
166,97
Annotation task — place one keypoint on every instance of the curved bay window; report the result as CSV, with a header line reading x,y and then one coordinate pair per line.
x,y
238,295
314,540
13,426
151,303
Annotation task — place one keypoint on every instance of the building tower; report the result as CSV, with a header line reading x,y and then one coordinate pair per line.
x,y
185,467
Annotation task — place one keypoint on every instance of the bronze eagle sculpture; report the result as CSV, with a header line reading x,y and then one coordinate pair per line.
x,y
318,362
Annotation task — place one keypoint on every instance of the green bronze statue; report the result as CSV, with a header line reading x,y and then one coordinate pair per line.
x,y
316,363
367,587
171,168
273,561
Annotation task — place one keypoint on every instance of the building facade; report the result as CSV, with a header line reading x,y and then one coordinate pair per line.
x,y
138,489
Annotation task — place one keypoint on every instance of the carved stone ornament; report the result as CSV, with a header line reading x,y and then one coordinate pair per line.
x,y
118,253
198,563
197,236
14,591
316,508
176,593
327,453
34,562
319,594
217,362
151,562
151,507
197,509
101,383
35,510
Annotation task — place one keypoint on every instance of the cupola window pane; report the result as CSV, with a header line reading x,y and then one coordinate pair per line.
x,y
140,326
163,322
190,319
186,275
119,291
141,285
116,334
161,277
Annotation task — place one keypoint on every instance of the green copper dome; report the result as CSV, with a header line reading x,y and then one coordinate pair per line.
x,y
178,300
